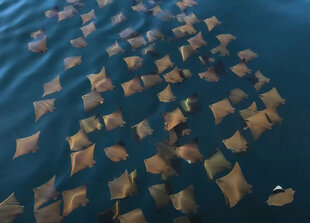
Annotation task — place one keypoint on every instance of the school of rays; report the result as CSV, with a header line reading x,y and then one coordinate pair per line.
x,y
55,205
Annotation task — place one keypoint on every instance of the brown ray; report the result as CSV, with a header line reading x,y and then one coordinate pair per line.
x,y
212,22
240,69
184,201
114,120
128,33
74,198
65,14
133,62
139,7
237,95
38,34
136,42
173,118
72,8
78,141
10,209
79,42
82,159
191,19
248,112
184,30
190,104
102,3
42,107
38,46
91,100
261,80
49,214
182,219
156,10
88,29
160,195
100,82
165,16
163,63
224,39
154,34
216,164
134,216
166,150
281,197
132,87
90,124
166,95
185,73
88,16
272,99
118,18
258,124
221,109
150,50
143,129
173,76
189,152
156,165
27,145
72,62
45,193
52,86
151,80
186,51
234,186
236,143
51,13
122,186
197,41
114,49
209,75
247,55
273,116
116,152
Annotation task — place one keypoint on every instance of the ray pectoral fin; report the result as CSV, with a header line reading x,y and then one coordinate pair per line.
x,y
42,107
10,209
83,159
184,200
92,100
50,212
73,199
27,145
45,193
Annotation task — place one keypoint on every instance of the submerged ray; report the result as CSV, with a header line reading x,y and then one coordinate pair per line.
x,y
38,34
160,195
90,124
72,61
191,19
38,46
136,42
216,164
52,86
261,80
234,186
248,112
165,16
82,159
209,75
65,14
42,107
100,82
166,95
154,34
163,63
45,193
240,69
258,124
114,49
150,50
139,7
205,60
197,41
135,216
186,51
236,143
182,219
91,100
280,197
156,10
78,141
173,76
212,22
10,209
88,16
272,99
143,129
237,95
224,39
273,116
116,152
221,109
189,152
49,214
185,73
150,80
114,120
118,18
247,55
173,118
133,62
102,3
190,104
132,87
156,165
128,33
27,145
184,201
52,13
88,29
74,198
122,186
79,42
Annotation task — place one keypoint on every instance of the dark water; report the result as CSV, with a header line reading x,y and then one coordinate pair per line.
x,y
277,30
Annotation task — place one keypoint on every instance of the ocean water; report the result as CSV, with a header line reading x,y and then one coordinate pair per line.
x,y
277,30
